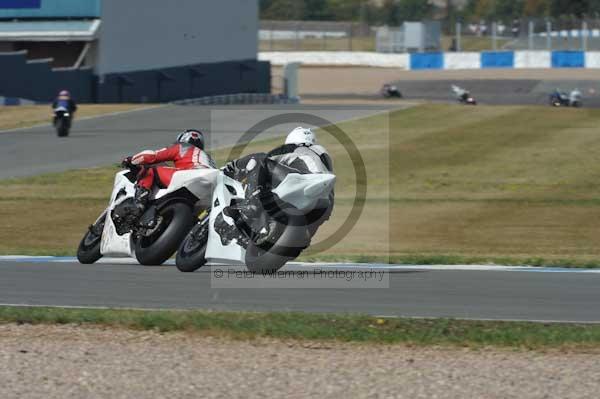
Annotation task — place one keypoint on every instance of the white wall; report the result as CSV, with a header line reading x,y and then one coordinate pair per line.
x,y
533,59
359,58
462,60
151,34
592,59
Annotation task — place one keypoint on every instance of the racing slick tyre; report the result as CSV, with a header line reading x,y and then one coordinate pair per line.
x,y
174,222
288,241
192,251
62,127
88,251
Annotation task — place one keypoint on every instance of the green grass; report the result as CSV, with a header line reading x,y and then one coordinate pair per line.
x,y
446,184
304,326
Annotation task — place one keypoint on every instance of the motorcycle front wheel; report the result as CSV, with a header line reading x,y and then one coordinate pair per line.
x,y
288,241
174,223
192,251
88,251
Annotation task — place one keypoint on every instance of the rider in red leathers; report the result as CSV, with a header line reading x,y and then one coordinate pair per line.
x,y
187,153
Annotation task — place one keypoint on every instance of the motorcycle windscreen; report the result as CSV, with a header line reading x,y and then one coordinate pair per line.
x,y
304,190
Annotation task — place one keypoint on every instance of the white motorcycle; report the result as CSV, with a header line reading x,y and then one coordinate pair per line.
x,y
463,96
263,235
153,237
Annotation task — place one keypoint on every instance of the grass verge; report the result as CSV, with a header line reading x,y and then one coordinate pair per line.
x,y
30,115
304,326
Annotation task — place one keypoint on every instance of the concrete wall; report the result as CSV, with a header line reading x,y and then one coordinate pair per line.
x,y
37,81
437,60
139,35
199,80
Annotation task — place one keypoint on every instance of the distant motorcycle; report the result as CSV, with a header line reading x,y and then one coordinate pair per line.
x,y
562,99
388,91
62,121
463,96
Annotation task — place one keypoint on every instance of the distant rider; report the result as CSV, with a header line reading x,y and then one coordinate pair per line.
x,y
64,100
187,153
299,154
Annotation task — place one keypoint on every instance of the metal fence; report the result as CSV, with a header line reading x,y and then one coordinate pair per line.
x,y
315,36
524,34
519,34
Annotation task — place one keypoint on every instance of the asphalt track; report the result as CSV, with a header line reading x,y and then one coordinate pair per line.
x,y
485,91
106,140
507,294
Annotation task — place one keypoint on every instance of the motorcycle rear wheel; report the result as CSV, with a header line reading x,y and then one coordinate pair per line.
x,y
155,249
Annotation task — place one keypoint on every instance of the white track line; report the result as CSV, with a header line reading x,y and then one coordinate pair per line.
x,y
337,265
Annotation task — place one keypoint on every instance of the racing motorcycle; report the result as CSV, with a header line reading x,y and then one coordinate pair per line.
x,y
62,121
562,99
463,96
261,231
153,237
388,91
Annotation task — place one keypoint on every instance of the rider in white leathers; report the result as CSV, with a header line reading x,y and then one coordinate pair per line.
x,y
300,154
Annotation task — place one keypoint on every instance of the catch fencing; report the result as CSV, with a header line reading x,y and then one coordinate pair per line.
x,y
315,36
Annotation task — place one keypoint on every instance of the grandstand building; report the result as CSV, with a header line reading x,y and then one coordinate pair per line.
x,y
130,51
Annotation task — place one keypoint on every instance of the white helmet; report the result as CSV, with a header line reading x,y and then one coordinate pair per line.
x,y
301,135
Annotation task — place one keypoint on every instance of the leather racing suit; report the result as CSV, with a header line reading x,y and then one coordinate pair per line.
x,y
183,156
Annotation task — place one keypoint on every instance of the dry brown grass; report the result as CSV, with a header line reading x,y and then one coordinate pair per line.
x,y
29,115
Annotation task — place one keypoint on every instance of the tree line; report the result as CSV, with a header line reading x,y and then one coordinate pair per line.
x,y
394,12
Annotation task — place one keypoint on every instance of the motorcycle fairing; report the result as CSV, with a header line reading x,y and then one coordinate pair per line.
x,y
303,191
113,244
218,249
200,182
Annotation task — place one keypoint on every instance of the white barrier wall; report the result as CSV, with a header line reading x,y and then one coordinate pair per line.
x,y
592,59
533,59
359,58
462,61
467,60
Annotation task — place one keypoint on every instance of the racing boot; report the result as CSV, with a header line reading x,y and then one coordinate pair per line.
x,y
142,195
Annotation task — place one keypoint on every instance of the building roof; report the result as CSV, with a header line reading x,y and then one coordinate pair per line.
x,y
52,31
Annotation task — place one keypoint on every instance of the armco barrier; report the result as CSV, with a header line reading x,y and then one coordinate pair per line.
x,y
240,99
568,59
426,61
497,59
